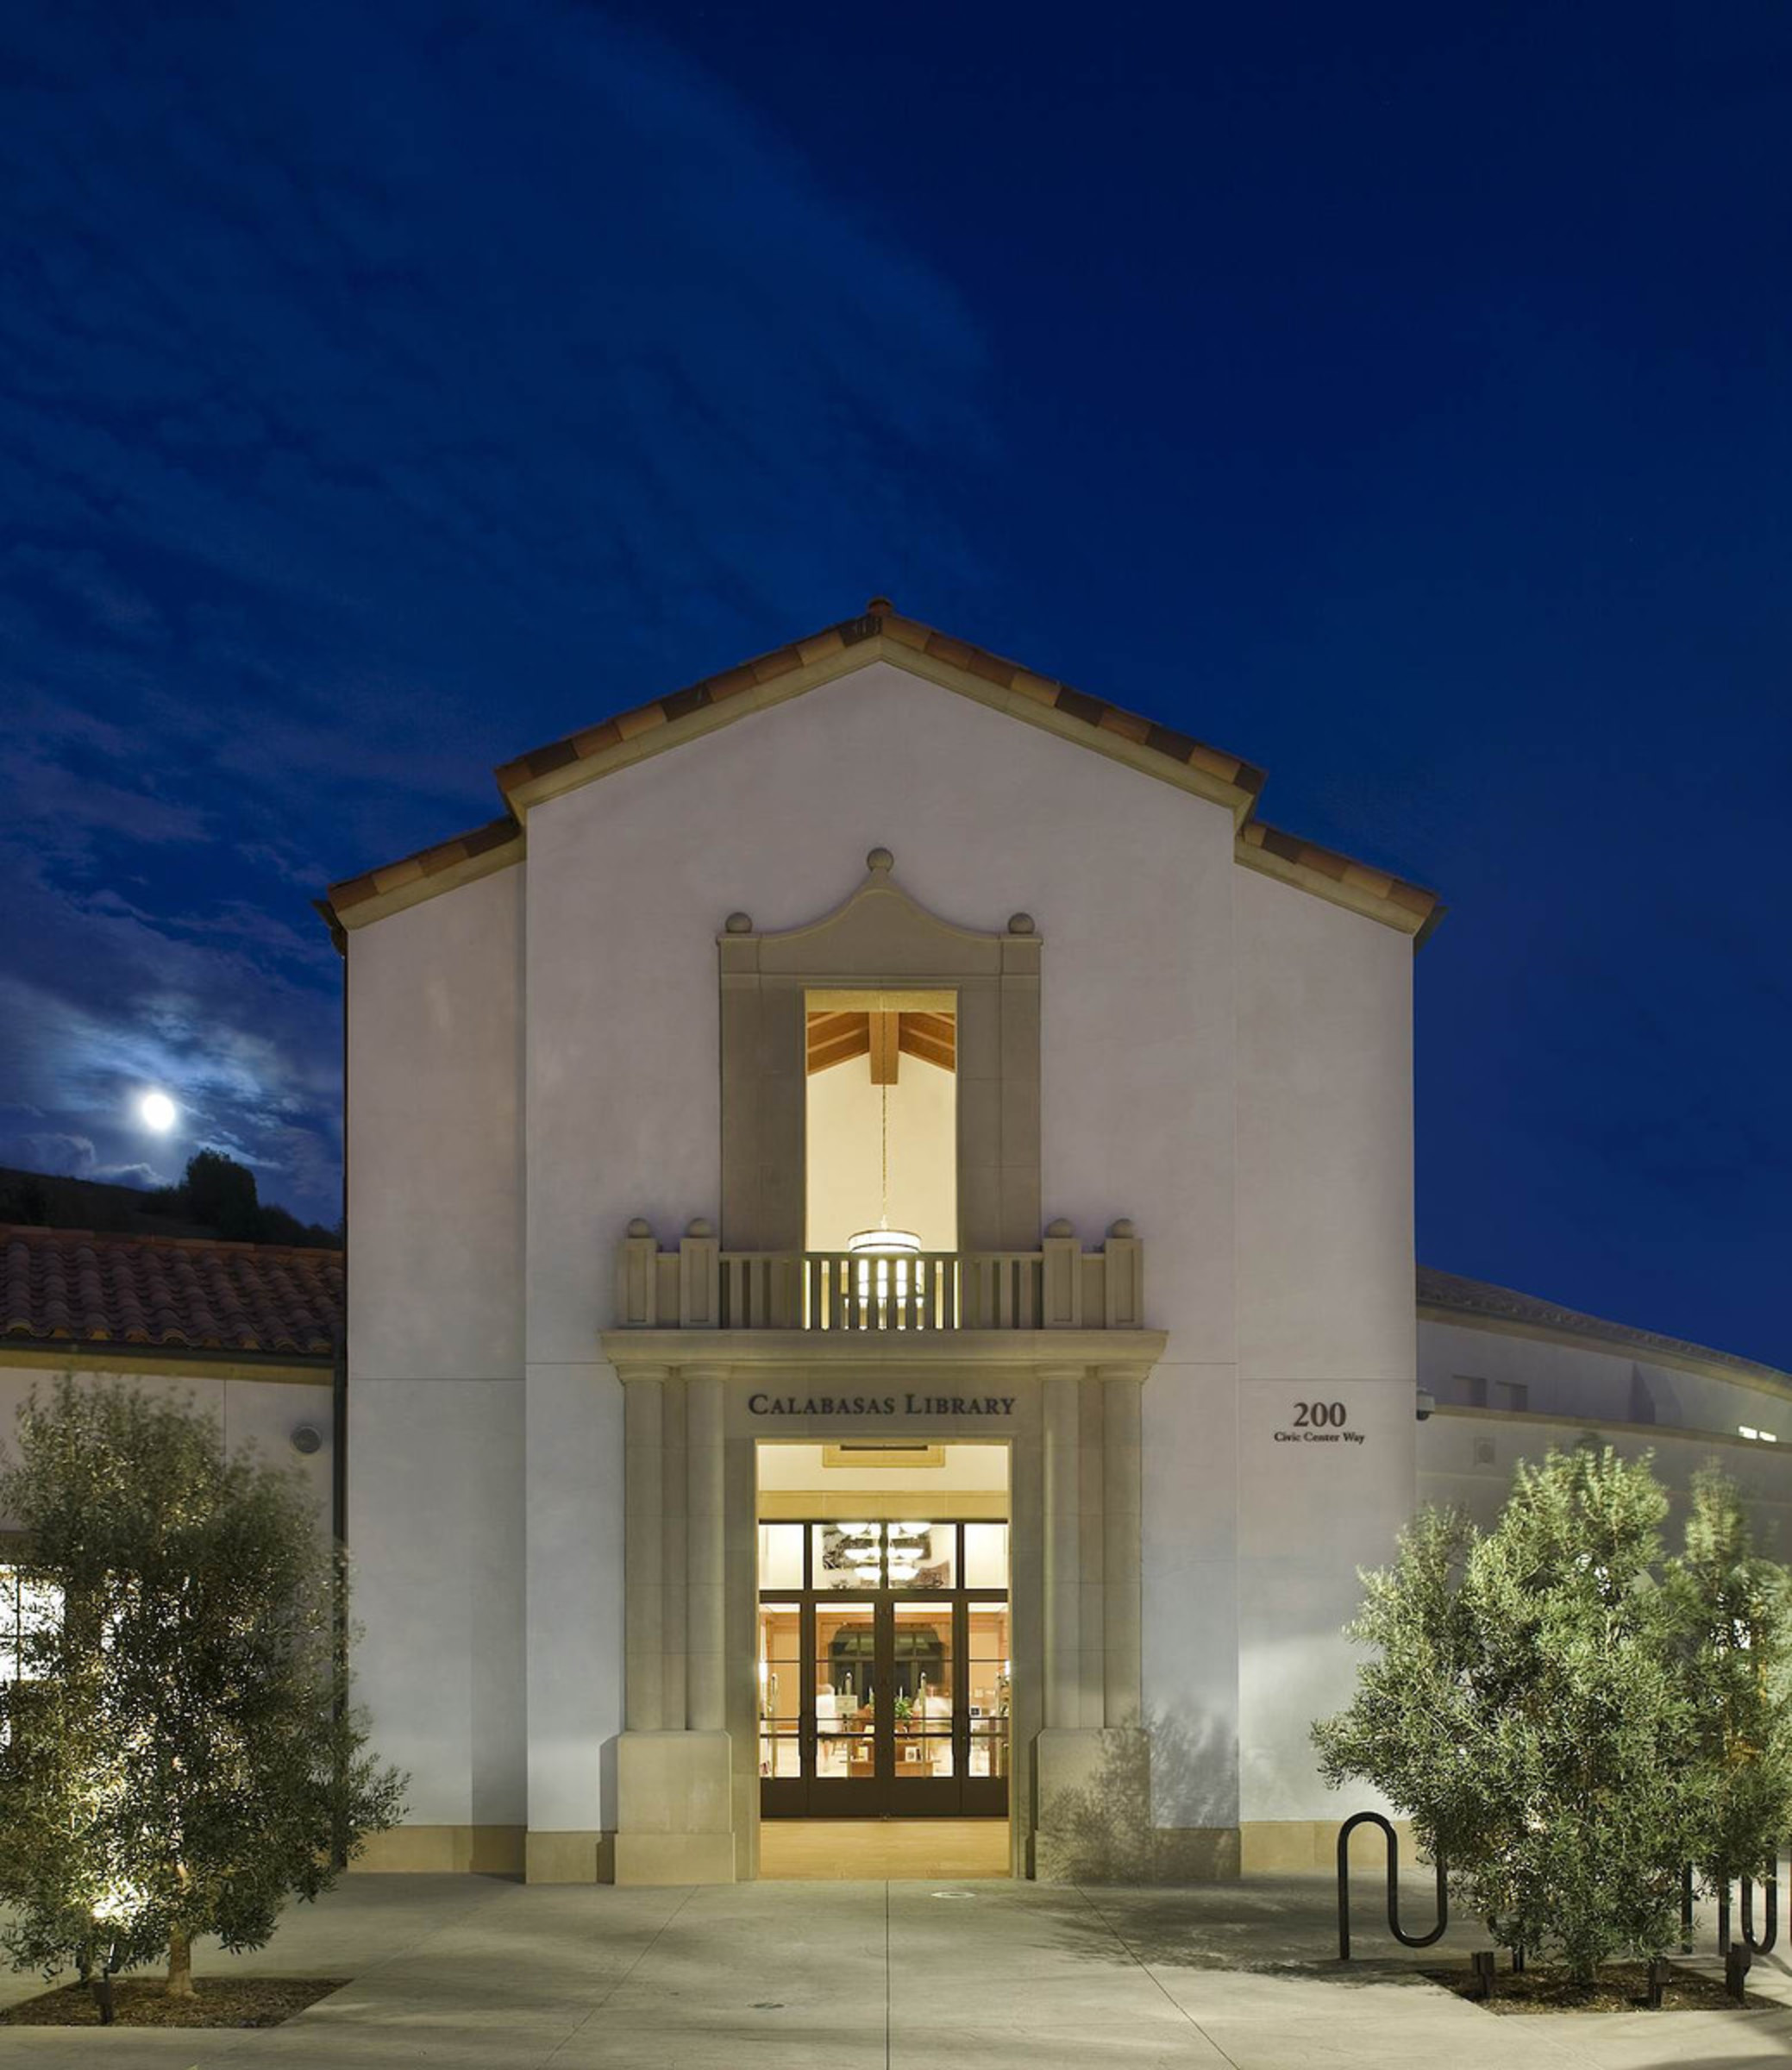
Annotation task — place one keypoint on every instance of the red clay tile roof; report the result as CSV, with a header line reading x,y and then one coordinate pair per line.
x,y
880,620
429,862
664,721
68,1286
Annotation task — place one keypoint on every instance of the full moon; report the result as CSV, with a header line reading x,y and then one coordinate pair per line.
x,y
158,1112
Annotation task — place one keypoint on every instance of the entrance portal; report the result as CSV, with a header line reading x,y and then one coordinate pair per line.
x,y
885,1636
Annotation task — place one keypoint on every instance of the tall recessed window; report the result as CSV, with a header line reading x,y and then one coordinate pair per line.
x,y
882,1122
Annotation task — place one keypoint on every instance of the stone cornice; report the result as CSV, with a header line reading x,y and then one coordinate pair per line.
x,y
844,1358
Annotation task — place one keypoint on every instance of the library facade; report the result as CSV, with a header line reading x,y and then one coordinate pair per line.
x,y
881,1288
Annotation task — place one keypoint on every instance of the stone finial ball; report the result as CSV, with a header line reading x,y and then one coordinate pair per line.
x,y
697,1227
1123,1227
638,1227
1020,923
739,923
878,607
1060,1227
879,861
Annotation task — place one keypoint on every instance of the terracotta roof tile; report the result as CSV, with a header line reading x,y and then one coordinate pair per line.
x,y
607,744
1343,870
443,855
68,1286
907,632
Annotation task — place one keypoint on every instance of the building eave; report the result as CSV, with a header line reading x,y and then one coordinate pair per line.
x,y
443,866
881,635
1615,1341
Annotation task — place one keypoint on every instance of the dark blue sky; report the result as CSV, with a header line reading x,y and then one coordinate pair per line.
x,y
1396,396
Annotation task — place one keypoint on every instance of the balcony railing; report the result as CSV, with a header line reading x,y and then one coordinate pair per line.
x,y
1058,1287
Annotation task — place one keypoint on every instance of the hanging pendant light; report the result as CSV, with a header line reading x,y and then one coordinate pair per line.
x,y
883,1269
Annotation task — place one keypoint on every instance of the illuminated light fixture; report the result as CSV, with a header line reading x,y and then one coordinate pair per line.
x,y
884,1267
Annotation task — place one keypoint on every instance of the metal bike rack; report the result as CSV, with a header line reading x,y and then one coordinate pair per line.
x,y
1764,1946
1405,1940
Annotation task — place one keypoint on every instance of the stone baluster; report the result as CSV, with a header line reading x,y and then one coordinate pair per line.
x,y
1062,1279
637,1278
699,1277
1124,1280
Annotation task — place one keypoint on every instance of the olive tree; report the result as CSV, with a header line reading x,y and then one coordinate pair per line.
x,y
1568,1717
1735,1620
177,1753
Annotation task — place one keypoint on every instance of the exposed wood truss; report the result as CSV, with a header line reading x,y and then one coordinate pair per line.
x,y
838,1038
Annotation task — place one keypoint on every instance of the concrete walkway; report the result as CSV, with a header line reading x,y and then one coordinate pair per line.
x,y
873,1976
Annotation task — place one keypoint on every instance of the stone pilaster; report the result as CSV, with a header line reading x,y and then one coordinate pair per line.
x,y
1122,1538
675,1787
643,1548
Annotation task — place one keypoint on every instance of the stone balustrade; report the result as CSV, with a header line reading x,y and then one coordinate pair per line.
x,y
702,1286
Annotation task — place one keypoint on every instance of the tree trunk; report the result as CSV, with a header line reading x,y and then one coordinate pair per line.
x,y
181,1966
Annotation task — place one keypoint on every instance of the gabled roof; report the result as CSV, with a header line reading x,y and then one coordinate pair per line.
x,y
69,1287
1448,1297
880,633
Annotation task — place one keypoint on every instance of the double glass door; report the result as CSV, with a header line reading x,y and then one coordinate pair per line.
x,y
884,1674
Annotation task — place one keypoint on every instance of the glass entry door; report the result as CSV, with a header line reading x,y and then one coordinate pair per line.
x,y
884,1674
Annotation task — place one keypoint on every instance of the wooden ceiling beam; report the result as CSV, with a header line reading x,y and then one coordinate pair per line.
x,y
836,1037
886,1047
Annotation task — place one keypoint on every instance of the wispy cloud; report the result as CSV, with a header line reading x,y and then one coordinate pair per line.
x,y
387,389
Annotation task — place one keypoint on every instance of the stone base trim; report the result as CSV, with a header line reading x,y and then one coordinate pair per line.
x,y
675,1807
1093,1785
585,1856
1194,1854
1291,1846
442,1851
672,1858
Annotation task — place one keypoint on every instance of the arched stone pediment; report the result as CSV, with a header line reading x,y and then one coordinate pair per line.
x,y
879,932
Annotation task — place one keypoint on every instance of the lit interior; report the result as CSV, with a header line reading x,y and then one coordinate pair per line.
x,y
882,1118
906,1675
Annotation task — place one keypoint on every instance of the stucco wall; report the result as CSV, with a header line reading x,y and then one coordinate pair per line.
x,y
629,882
1606,1385
435,1397
1468,1459
1325,1277
257,1413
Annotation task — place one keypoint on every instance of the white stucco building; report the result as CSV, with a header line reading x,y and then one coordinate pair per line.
x,y
676,1512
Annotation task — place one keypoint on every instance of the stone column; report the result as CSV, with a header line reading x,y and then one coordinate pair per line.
x,y
706,1674
1091,1558
1093,1763
1061,1387
1122,1531
673,1536
643,1556
674,1812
